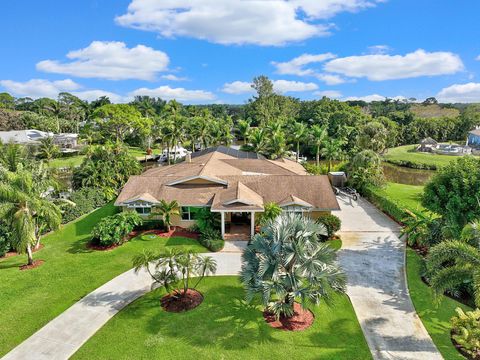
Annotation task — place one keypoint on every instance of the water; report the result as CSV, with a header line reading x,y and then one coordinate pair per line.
x,y
404,175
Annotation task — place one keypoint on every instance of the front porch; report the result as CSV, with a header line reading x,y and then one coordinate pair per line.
x,y
236,225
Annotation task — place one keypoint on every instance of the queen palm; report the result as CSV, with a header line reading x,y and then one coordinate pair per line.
x,y
258,140
167,210
298,134
26,209
286,262
318,134
48,149
456,263
243,127
332,150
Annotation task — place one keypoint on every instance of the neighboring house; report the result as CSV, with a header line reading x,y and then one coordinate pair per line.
x,y
473,138
427,145
23,137
66,140
234,183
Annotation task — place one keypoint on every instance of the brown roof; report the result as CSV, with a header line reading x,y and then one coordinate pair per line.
x,y
224,182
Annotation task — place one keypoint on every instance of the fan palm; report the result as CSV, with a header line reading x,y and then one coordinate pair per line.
x,y
287,262
167,210
26,209
453,264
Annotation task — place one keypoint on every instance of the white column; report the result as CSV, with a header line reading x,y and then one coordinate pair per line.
x,y
252,224
223,224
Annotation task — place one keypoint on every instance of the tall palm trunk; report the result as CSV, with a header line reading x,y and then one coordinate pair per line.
x,y
29,255
317,156
298,150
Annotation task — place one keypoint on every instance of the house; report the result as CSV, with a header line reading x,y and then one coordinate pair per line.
x,y
427,145
23,137
66,140
233,183
473,138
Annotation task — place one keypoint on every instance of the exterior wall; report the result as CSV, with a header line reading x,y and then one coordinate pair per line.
x,y
177,221
314,215
200,182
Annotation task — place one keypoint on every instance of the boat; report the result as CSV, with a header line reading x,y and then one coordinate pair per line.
x,y
176,153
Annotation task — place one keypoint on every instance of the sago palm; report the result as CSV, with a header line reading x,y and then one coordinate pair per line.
x,y
287,262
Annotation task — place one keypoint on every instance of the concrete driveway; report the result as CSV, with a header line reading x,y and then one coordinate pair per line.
x,y
373,257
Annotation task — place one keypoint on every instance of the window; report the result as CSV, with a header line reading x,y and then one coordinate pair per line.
x,y
295,209
143,210
141,207
190,212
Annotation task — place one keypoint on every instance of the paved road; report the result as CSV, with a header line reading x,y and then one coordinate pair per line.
x,y
65,334
374,258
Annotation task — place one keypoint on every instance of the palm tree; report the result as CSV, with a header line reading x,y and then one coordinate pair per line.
x,y
48,149
298,134
12,155
243,127
287,262
258,140
167,210
26,209
277,146
332,150
319,134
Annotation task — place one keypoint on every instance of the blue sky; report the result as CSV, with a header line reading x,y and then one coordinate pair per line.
x,y
207,51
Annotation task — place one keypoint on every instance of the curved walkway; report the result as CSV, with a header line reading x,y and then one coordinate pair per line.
x,y
373,257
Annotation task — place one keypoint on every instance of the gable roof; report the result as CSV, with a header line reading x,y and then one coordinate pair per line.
x,y
292,200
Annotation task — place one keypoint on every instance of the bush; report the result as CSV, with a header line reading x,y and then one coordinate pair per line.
x,y
212,239
412,164
113,230
151,225
466,331
389,207
207,219
331,222
5,245
86,200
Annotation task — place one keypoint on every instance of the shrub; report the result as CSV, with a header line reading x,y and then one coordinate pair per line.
x,y
332,223
113,230
207,219
389,207
86,200
412,164
5,244
212,239
466,331
151,225
270,212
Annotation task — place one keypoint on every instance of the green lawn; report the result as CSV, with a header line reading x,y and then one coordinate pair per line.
x,y
77,159
408,196
435,319
224,327
406,153
29,299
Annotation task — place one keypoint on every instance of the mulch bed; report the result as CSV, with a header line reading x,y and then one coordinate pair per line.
x,y
36,263
174,232
461,350
301,320
192,299
14,253
102,248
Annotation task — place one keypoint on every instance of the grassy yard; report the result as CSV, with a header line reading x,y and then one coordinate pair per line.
x,y
29,299
435,319
407,196
76,160
406,153
224,327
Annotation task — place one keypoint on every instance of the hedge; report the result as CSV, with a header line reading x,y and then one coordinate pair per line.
x,y
388,206
86,200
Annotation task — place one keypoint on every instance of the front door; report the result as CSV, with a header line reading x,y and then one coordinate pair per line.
x,y
239,218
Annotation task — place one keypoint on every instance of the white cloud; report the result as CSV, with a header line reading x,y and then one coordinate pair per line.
x,y
90,95
333,94
37,88
390,67
256,22
374,97
167,93
279,86
172,77
110,60
379,49
460,93
330,79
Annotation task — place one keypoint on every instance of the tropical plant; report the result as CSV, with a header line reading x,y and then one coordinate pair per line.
x,y
365,169
211,239
113,230
466,331
243,127
5,237
26,209
287,262
270,212
207,219
454,266
12,156
299,132
167,210
318,134
175,269
332,150
417,228
331,222
48,150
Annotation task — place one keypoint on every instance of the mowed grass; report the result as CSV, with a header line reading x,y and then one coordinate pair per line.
x,y
435,319
31,298
407,196
224,327
407,153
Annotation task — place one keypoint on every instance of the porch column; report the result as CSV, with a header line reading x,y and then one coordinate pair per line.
x,y
252,224
223,224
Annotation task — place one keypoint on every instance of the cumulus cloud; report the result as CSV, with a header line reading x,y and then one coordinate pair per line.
x,y
168,93
111,60
256,22
333,94
374,97
379,49
460,93
37,88
172,77
90,95
391,67
279,86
